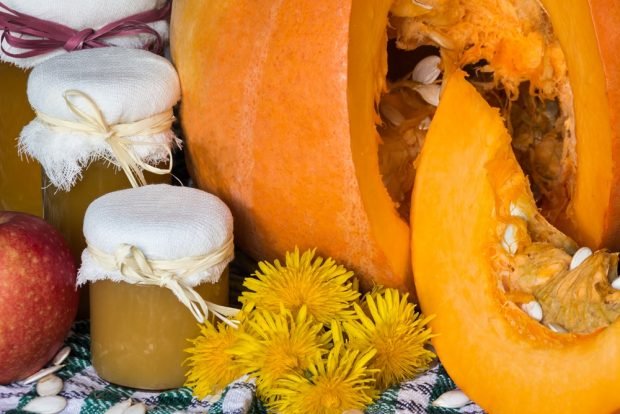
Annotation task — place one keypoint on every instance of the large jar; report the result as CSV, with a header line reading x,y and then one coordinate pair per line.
x,y
103,119
157,261
20,177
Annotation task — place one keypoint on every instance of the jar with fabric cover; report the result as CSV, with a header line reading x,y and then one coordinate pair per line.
x,y
103,123
156,260
33,31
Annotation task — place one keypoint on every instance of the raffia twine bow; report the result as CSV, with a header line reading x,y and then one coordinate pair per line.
x,y
39,36
116,135
131,262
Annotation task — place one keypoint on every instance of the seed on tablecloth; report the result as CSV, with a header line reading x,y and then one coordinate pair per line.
x,y
49,385
452,399
46,405
61,356
136,409
43,373
120,407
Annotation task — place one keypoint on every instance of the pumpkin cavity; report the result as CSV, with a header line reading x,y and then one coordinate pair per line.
x,y
580,300
406,109
540,267
513,59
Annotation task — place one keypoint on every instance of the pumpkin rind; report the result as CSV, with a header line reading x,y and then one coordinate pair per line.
x,y
501,358
268,88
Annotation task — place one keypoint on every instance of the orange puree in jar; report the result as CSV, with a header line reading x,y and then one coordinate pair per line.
x,y
20,178
139,333
65,209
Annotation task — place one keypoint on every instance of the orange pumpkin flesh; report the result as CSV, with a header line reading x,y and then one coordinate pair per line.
x,y
279,112
499,356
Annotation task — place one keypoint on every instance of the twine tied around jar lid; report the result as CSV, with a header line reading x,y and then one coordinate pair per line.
x,y
38,36
115,135
136,268
90,98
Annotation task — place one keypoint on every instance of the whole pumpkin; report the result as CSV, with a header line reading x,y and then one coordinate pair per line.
x,y
280,126
289,116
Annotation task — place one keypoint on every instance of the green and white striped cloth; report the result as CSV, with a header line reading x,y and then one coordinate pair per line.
x,y
88,394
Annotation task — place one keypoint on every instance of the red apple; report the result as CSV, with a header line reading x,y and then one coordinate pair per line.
x,y
38,298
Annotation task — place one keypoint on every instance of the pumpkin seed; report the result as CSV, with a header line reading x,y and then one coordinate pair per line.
x,y
425,124
427,70
430,93
392,114
49,385
423,5
533,309
616,284
43,373
452,399
556,328
119,407
580,256
441,40
46,405
61,355
136,409
516,211
509,241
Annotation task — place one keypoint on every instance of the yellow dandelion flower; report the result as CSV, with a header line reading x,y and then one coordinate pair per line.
x,y
324,287
277,344
211,367
331,385
336,332
396,332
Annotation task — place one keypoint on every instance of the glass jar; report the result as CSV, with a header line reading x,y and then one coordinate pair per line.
x,y
149,251
139,340
65,209
20,178
98,110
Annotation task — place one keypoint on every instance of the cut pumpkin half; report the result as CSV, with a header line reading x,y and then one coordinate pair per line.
x,y
523,323
307,117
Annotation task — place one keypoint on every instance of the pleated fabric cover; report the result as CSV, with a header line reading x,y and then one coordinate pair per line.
x,y
165,222
127,85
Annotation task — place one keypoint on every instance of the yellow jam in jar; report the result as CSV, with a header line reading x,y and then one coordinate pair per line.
x,y
139,333
20,178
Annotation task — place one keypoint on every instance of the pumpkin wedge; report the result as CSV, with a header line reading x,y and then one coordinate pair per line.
x,y
469,191
588,33
307,117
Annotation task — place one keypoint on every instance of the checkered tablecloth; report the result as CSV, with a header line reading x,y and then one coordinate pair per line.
x,y
88,394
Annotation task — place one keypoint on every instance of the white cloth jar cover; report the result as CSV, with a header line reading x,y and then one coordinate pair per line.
x,y
107,97
82,15
173,237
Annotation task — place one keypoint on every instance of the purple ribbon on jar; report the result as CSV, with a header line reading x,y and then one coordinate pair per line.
x,y
44,36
